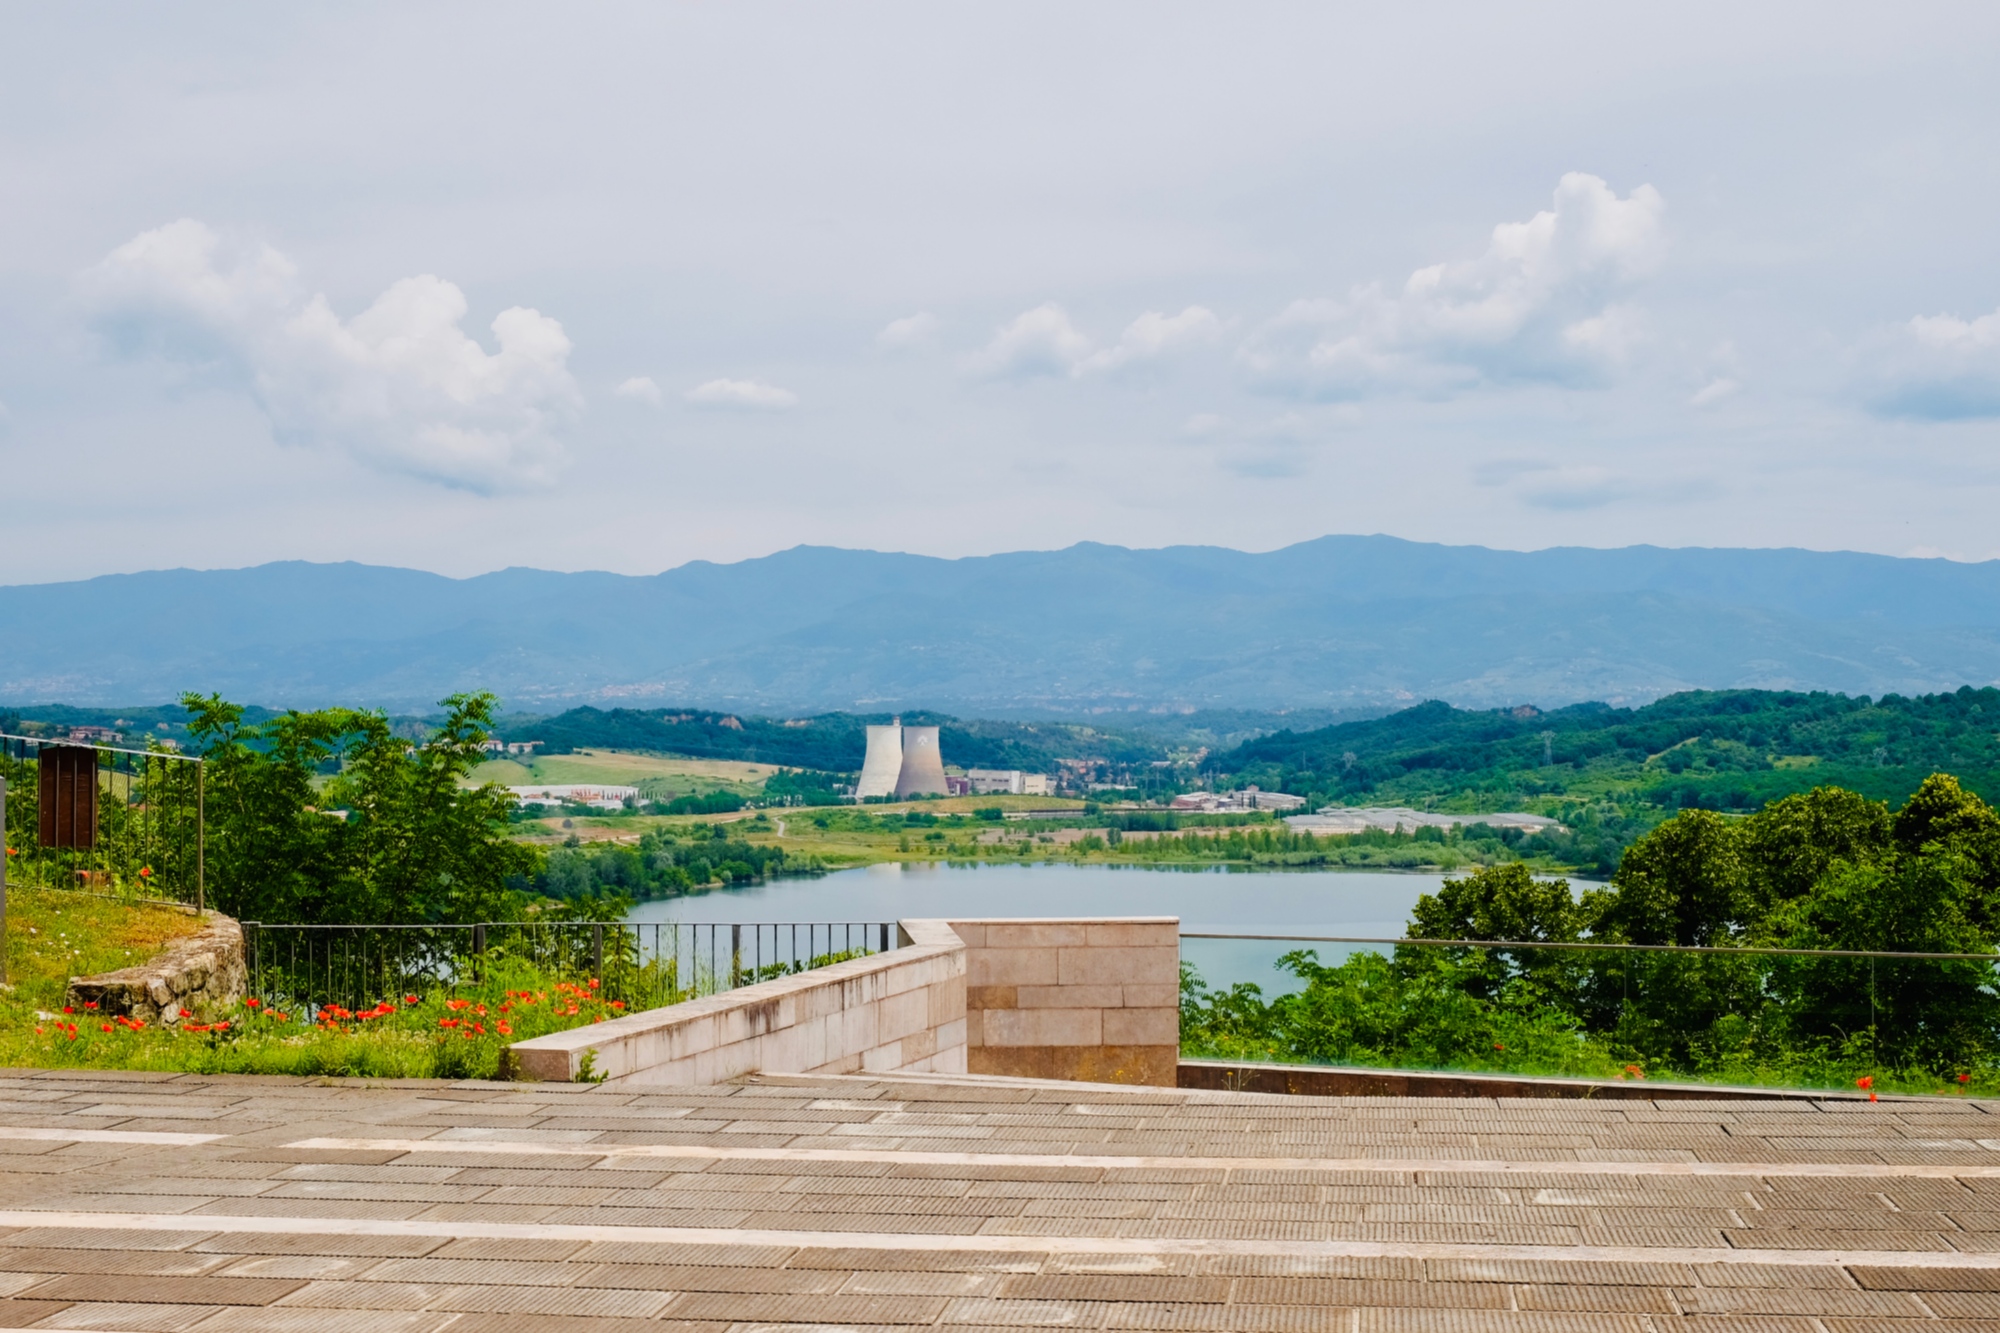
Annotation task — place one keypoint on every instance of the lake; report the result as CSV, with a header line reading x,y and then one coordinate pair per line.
x,y
1306,902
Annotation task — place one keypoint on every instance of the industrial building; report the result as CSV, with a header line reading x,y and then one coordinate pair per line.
x,y
577,793
902,761
1007,782
923,767
883,763
1236,802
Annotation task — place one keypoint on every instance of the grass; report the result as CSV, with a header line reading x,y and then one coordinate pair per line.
x,y
54,934
463,1032
658,777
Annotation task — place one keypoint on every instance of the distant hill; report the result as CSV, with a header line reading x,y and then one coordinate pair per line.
x,y
1337,623
1727,750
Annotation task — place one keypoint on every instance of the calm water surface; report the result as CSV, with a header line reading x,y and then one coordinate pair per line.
x,y
1313,902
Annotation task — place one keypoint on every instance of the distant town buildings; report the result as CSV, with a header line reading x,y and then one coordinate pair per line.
x,y
101,735
1236,802
576,793
1007,782
496,746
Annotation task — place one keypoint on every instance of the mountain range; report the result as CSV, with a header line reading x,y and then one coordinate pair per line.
x,y
1339,622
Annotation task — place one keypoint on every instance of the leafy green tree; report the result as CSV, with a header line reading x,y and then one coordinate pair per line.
x,y
329,817
1790,845
1682,883
1504,902
1933,1011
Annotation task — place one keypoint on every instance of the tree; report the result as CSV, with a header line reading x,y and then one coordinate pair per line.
x,y
1791,844
329,817
1504,902
1682,883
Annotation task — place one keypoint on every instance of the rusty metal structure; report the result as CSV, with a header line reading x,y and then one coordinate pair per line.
x,y
104,819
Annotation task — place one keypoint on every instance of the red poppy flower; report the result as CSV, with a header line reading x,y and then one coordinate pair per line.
x,y
1865,1081
107,1027
184,1014
410,999
90,1004
252,1002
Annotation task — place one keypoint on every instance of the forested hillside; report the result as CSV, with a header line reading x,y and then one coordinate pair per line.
x,y
831,742
1716,749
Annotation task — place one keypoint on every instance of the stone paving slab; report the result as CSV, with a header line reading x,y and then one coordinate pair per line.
x,y
169,1202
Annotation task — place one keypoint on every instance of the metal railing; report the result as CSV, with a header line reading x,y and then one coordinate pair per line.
x,y
1686,1007
119,821
644,964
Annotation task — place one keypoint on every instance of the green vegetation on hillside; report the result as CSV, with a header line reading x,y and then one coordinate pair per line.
x,y
665,862
1824,870
1712,749
833,742
390,835
460,1031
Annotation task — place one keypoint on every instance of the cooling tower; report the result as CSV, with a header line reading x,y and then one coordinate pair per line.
x,y
884,762
923,770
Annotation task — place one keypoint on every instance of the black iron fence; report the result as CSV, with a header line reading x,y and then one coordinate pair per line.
x,y
646,964
101,818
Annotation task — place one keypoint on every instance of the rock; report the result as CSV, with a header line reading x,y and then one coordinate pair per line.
x,y
203,972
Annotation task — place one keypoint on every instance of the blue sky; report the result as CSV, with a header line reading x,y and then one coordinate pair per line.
x,y
620,286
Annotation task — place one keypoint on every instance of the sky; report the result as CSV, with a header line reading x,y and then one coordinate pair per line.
x,y
619,286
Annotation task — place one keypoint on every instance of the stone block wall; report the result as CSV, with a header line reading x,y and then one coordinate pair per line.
x,y
901,1010
1095,1000
1092,1000
203,973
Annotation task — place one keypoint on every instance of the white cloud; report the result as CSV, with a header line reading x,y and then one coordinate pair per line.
x,y
1153,335
1545,302
1035,342
1714,391
1043,342
1941,368
640,387
909,331
742,395
400,385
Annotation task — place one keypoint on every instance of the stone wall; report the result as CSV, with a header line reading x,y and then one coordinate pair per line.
x,y
203,973
901,1010
1092,1000
1089,999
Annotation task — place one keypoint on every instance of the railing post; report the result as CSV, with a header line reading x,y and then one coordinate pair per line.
x,y
478,951
597,951
3,880
885,937
201,835
735,954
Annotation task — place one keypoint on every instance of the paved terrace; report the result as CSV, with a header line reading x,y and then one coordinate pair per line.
x,y
174,1202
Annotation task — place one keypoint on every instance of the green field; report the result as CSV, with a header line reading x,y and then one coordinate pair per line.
x,y
658,777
